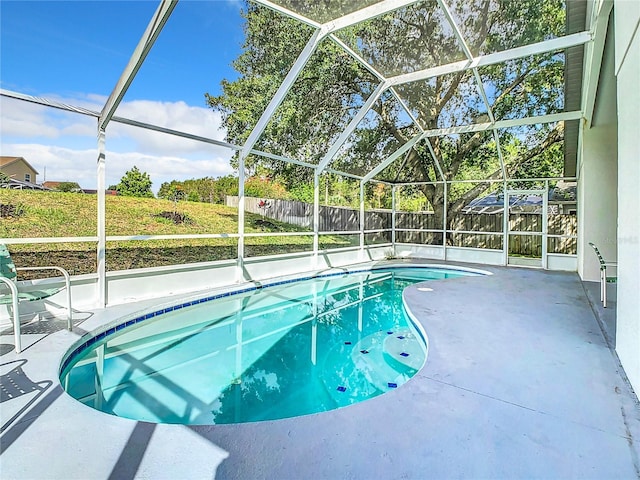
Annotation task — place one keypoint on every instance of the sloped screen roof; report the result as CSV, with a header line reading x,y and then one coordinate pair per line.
x,y
399,91
478,85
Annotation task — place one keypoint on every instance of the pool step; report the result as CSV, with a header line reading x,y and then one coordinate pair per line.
x,y
402,349
377,363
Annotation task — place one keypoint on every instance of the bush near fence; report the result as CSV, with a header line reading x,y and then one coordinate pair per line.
x,y
338,219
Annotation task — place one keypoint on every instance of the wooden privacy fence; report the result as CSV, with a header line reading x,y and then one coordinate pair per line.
x,y
339,219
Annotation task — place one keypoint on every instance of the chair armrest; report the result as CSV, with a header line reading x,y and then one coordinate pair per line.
x,y
11,285
67,278
609,264
67,281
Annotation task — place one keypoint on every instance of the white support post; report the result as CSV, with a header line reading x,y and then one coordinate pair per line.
x,y
143,48
444,219
241,199
101,218
545,223
593,56
362,223
505,224
504,192
316,216
580,158
393,219
275,102
282,91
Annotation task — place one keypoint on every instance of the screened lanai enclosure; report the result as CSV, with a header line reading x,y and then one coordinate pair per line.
x,y
441,129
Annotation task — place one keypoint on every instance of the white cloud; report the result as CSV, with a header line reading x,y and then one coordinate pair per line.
x,y
173,115
65,164
57,163
65,143
22,119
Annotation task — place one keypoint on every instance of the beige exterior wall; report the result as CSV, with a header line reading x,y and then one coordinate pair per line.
x,y
17,171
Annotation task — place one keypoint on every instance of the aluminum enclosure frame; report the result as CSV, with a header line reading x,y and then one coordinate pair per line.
x,y
322,31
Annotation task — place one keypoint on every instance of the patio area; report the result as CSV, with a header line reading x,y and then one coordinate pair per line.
x,y
521,381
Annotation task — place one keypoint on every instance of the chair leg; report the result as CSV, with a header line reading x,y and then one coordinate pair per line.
x,y
16,312
601,287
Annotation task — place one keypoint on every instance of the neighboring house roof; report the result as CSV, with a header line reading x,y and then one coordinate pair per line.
x,y
562,193
494,203
6,161
51,185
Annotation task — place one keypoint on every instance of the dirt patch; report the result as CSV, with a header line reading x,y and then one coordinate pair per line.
x,y
83,262
176,217
265,224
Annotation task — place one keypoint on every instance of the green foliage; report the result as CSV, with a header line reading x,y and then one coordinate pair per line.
x,y
227,185
4,179
332,87
68,187
208,189
264,188
135,183
302,193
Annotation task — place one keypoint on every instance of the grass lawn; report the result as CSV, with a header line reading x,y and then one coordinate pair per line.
x,y
38,214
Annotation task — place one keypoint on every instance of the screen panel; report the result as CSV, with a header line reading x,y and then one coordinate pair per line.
x,y
406,40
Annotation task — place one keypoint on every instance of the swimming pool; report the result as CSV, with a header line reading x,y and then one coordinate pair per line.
x,y
287,349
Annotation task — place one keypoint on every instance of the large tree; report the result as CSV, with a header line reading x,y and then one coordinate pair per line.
x,y
333,86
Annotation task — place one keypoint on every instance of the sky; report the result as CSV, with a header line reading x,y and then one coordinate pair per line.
x,y
75,51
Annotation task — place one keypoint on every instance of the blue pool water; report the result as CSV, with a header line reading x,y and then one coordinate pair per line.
x,y
297,348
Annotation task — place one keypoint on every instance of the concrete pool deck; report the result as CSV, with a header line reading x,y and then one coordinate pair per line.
x,y
520,382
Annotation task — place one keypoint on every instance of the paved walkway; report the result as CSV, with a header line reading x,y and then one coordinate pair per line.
x,y
519,383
